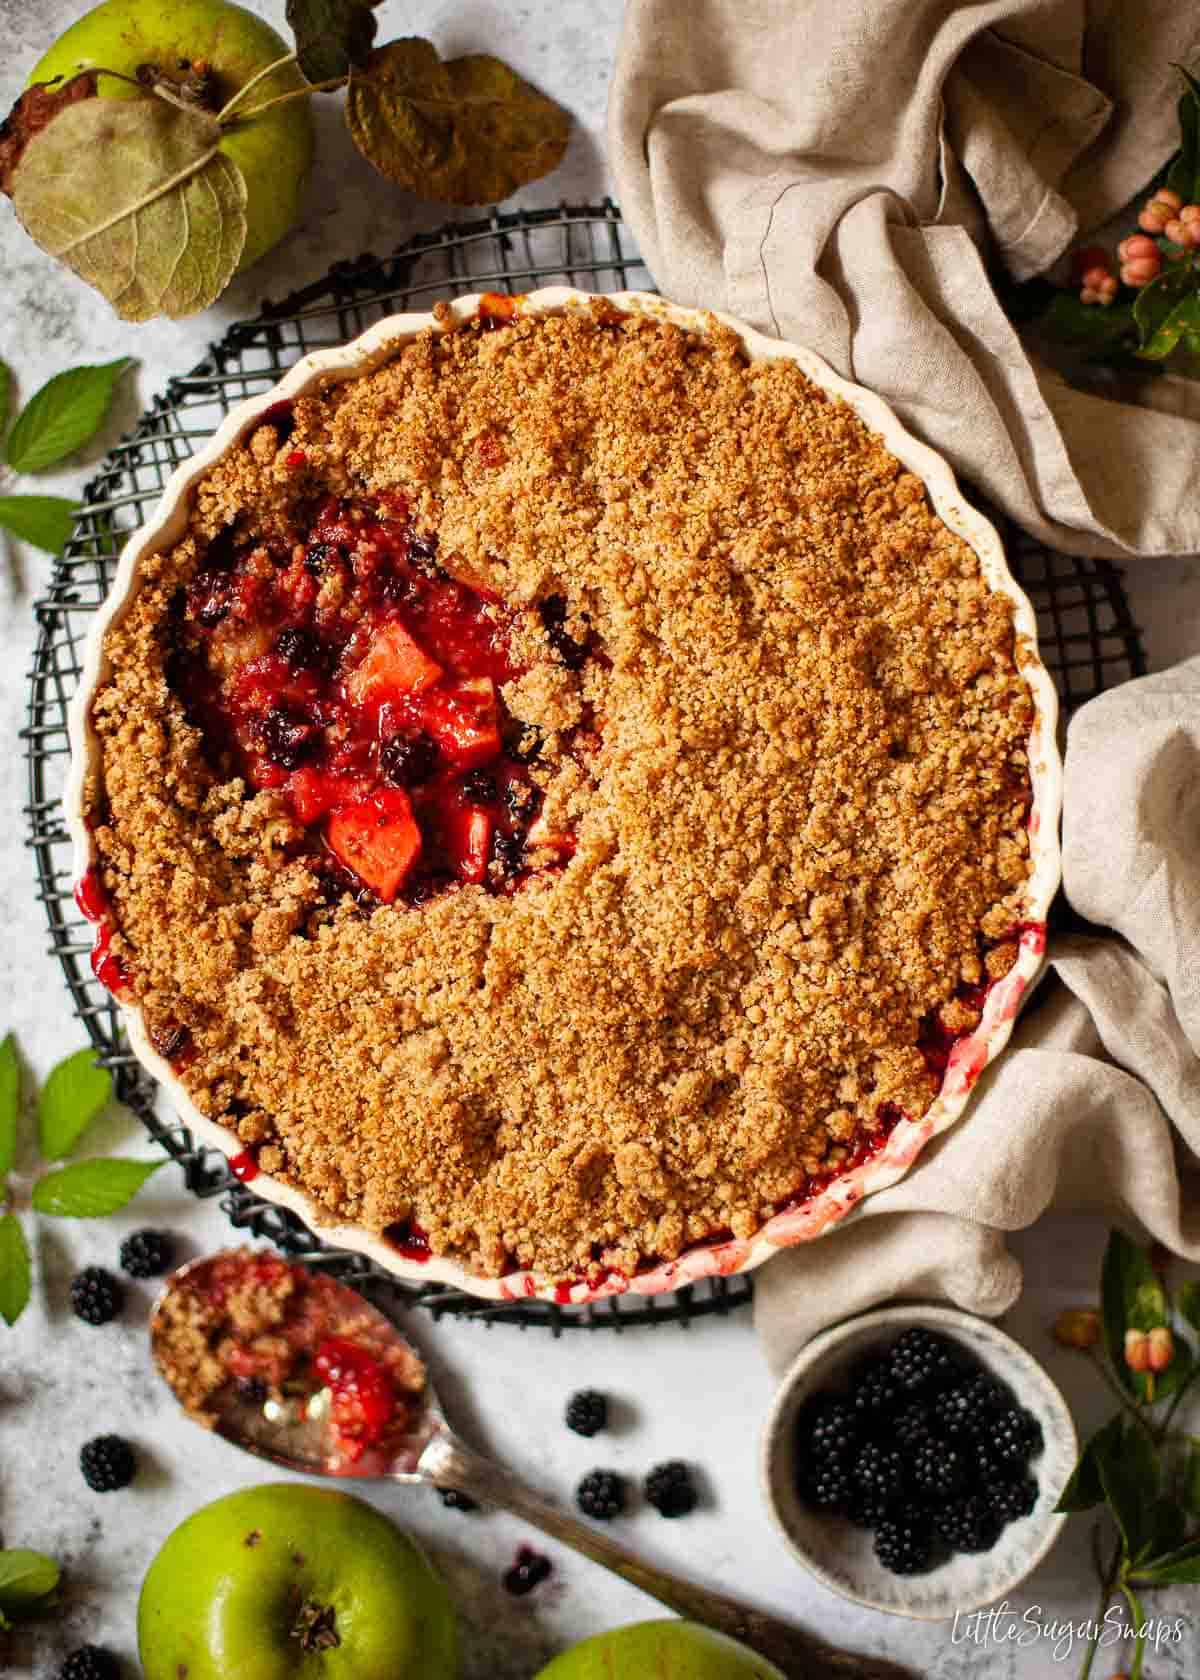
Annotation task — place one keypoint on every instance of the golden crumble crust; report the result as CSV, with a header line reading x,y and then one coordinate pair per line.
x,y
801,829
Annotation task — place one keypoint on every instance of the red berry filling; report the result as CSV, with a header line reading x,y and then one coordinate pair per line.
x,y
363,1399
354,674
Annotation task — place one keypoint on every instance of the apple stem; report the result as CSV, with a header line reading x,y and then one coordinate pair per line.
x,y
315,1627
162,92
286,98
259,76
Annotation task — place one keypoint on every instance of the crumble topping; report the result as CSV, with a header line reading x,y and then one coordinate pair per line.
x,y
770,701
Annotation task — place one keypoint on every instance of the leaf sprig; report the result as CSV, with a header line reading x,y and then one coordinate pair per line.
x,y
1142,1468
28,1581
75,1092
65,414
141,199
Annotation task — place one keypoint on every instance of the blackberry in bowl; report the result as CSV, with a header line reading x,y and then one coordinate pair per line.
x,y
913,1460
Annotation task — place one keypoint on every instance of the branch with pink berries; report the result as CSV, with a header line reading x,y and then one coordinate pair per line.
x,y
1140,310
1143,1466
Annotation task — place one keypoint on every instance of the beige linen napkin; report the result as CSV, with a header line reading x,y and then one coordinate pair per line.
x,y
840,174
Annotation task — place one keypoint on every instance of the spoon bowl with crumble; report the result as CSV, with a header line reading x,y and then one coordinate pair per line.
x,y
298,1369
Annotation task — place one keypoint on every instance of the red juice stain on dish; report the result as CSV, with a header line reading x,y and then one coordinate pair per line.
x,y
529,1570
409,1241
363,1400
93,902
244,1166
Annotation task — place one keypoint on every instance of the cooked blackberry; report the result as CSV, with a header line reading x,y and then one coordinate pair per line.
x,y
96,1295
969,1407
587,1412
904,1542
670,1489
316,558
478,788
520,799
455,1501
601,1494
1012,1499
108,1463
1014,1436
969,1524
523,741
147,1254
90,1662
936,1469
408,760
210,596
879,1469
508,854
922,1360
874,1392
300,649
287,736
554,615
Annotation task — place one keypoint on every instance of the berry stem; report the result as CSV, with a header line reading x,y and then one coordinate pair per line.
x,y
1134,1411
259,76
1139,1622
1108,1579
1176,1398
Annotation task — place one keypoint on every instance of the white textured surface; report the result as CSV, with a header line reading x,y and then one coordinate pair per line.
x,y
702,1394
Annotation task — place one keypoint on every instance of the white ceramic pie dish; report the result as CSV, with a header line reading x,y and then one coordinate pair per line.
x,y
970,1055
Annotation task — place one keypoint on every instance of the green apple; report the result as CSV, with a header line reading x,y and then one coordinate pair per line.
x,y
293,1582
273,151
667,1650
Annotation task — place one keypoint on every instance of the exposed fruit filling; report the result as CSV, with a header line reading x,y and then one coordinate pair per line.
x,y
351,672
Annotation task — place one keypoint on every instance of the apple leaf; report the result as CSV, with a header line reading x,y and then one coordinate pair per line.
x,y
10,1104
134,196
332,36
36,107
469,131
1168,310
25,1578
61,417
44,521
90,1189
74,1093
15,1270
5,393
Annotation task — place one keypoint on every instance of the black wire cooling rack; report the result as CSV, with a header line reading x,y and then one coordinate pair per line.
x,y
1088,641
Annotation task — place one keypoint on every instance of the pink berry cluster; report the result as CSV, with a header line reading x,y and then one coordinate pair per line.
x,y
1165,216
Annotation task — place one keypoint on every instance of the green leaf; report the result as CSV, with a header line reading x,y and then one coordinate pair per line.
x,y
25,1577
44,521
61,417
1187,1299
1167,310
1189,1481
74,1093
1183,174
1090,327
5,395
1178,1372
1184,1573
133,195
1131,1298
1085,1489
16,1274
470,131
332,36
1167,1529
1130,1476
91,1189
10,1104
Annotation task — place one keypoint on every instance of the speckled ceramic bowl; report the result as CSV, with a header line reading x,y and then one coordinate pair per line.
x,y
970,1054
842,1556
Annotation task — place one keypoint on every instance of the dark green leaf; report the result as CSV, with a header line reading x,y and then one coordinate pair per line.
x,y
1167,310
1131,1298
67,411
10,1104
1183,175
1178,1372
469,131
1184,1573
1167,1529
15,1272
44,521
1085,1490
1187,1299
1130,1476
25,1577
5,394
1189,1481
91,1189
74,1093
332,36
1092,328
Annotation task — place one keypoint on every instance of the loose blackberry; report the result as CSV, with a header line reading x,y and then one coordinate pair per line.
x,y
1015,1436
904,1542
147,1254
829,1427
969,1407
478,788
587,1412
1012,1499
96,1295
287,736
90,1662
671,1490
969,1524
874,1392
879,1470
300,649
408,760
601,1494
108,1463
528,1571
936,1469
921,1360
455,1501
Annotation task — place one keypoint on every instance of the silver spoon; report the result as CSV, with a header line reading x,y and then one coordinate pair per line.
x,y
297,1437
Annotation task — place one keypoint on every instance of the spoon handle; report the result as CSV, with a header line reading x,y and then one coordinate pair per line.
x,y
448,1462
